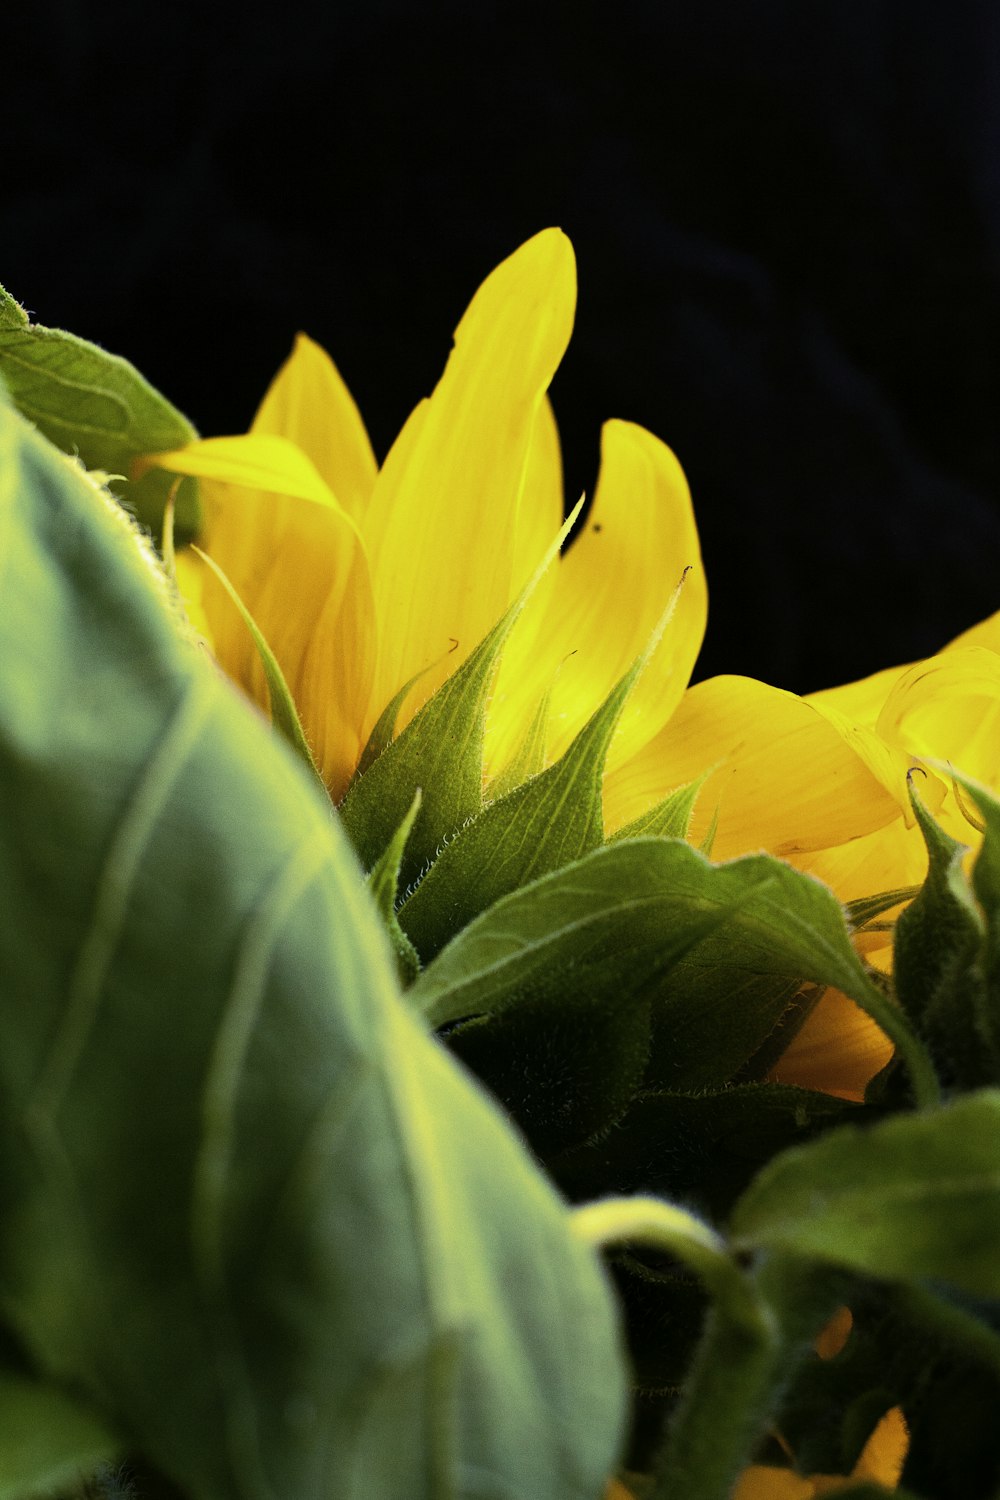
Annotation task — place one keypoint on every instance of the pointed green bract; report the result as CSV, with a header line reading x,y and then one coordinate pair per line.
x,y
96,405
538,827
440,751
669,819
284,715
986,886
938,962
248,1209
915,1197
383,883
530,756
48,1441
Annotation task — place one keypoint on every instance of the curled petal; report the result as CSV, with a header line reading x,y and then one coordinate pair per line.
x,y
785,780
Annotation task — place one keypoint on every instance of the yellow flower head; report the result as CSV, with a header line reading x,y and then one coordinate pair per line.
x,y
363,578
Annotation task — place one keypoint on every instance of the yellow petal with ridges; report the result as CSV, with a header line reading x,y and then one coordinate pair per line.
x,y
540,516
860,701
948,708
258,461
611,588
308,402
442,523
786,779
300,569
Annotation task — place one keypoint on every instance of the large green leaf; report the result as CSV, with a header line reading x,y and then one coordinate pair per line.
x,y
247,1206
914,1197
96,405
48,1441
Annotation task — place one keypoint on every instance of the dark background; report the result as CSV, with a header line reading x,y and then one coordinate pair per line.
x,y
786,215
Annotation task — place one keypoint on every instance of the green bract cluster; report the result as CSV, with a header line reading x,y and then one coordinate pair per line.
x,y
260,1233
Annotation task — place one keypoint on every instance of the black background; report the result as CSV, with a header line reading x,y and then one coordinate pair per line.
x,y
786,215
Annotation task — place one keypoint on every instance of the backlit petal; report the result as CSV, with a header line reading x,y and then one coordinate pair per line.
x,y
540,516
762,1482
300,568
786,778
258,461
442,523
948,707
611,588
308,402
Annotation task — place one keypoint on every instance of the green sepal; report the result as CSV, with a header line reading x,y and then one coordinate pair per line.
x,y
384,729
626,913
539,827
864,912
97,406
440,751
48,1440
284,715
669,819
383,883
915,1196
986,888
938,962
528,759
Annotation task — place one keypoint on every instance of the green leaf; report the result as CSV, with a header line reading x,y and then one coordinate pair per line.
x,y
284,715
440,751
937,962
95,405
911,1198
628,912
540,826
48,1441
664,1143
248,1208
383,883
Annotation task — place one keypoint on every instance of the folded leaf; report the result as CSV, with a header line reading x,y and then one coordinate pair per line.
x,y
915,1197
247,1207
93,404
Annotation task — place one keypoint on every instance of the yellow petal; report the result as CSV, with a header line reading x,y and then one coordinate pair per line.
x,y
861,701
442,523
762,1482
948,707
256,461
786,780
540,516
296,560
308,402
884,1454
838,1051
611,588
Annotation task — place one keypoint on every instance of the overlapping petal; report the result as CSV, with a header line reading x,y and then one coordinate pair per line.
x,y
308,403
786,779
442,525
297,561
609,591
